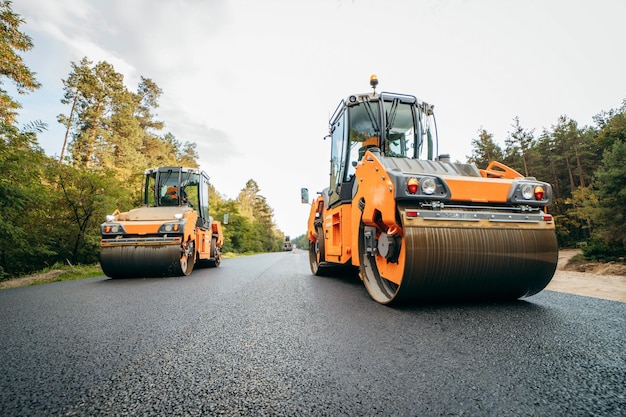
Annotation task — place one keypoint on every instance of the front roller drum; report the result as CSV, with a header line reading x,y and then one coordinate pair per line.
x,y
440,263
147,261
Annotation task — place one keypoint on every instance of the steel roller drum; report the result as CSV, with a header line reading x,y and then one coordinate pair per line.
x,y
141,261
477,263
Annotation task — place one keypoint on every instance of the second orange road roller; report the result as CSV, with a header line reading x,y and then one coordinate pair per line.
x,y
169,234
418,226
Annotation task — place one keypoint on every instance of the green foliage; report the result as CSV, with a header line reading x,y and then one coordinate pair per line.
x,y
81,201
612,126
11,64
23,202
261,236
485,150
518,144
609,215
111,128
302,242
602,251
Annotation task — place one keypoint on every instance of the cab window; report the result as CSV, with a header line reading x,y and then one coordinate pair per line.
x,y
364,133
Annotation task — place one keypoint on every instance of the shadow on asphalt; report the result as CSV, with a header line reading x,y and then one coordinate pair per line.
x,y
350,277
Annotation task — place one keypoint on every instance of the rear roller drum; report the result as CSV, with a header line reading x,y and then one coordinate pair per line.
x,y
446,263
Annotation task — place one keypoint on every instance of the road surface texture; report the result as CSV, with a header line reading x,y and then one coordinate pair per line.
x,y
261,336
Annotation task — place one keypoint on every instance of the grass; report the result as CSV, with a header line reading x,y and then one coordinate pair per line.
x,y
55,273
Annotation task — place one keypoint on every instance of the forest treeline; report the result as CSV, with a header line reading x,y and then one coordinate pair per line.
x,y
51,208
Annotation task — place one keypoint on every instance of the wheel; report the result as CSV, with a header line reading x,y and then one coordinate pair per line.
x,y
317,253
217,255
379,288
187,258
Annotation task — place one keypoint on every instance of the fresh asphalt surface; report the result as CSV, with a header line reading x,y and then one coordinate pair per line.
x,y
261,336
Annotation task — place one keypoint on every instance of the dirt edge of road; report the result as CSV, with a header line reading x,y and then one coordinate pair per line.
x,y
606,281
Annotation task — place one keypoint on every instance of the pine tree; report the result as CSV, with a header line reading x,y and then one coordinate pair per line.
x,y
518,144
485,150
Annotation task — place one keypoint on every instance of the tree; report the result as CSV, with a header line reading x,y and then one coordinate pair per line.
x,y
23,192
11,64
253,206
73,87
123,139
24,202
518,143
148,93
81,201
485,150
112,128
301,242
98,91
610,216
611,126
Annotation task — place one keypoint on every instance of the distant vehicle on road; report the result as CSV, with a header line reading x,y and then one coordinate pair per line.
x,y
287,246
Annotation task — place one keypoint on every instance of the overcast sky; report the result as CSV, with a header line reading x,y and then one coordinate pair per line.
x,y
253,82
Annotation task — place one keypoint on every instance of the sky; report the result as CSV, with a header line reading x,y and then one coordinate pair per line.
x,y
253,83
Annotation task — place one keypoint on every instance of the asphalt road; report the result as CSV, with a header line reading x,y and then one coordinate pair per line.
x,y
261,336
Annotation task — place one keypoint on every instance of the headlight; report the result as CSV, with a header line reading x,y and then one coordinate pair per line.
x,y
429,185
527,191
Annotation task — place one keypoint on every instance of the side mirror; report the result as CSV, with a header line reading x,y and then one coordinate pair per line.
x,y
225,218
304,195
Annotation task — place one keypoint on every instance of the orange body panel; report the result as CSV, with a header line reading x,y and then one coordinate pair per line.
x,y
478,190
337,234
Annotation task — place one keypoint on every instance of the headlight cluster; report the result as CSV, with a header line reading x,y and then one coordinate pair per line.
x,y
112,229
529,192
172,227
423,185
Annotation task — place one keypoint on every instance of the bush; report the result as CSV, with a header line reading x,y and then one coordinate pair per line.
x,y
600,251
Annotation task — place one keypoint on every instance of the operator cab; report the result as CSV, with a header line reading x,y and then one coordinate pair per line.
x,y
178,186
396,125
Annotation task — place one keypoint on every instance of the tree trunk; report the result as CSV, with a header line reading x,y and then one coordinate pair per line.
x,y
69,125
579,166
570,175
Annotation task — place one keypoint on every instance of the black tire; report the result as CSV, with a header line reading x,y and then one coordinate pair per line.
x,y
188,258
379,289
216,253
317,254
